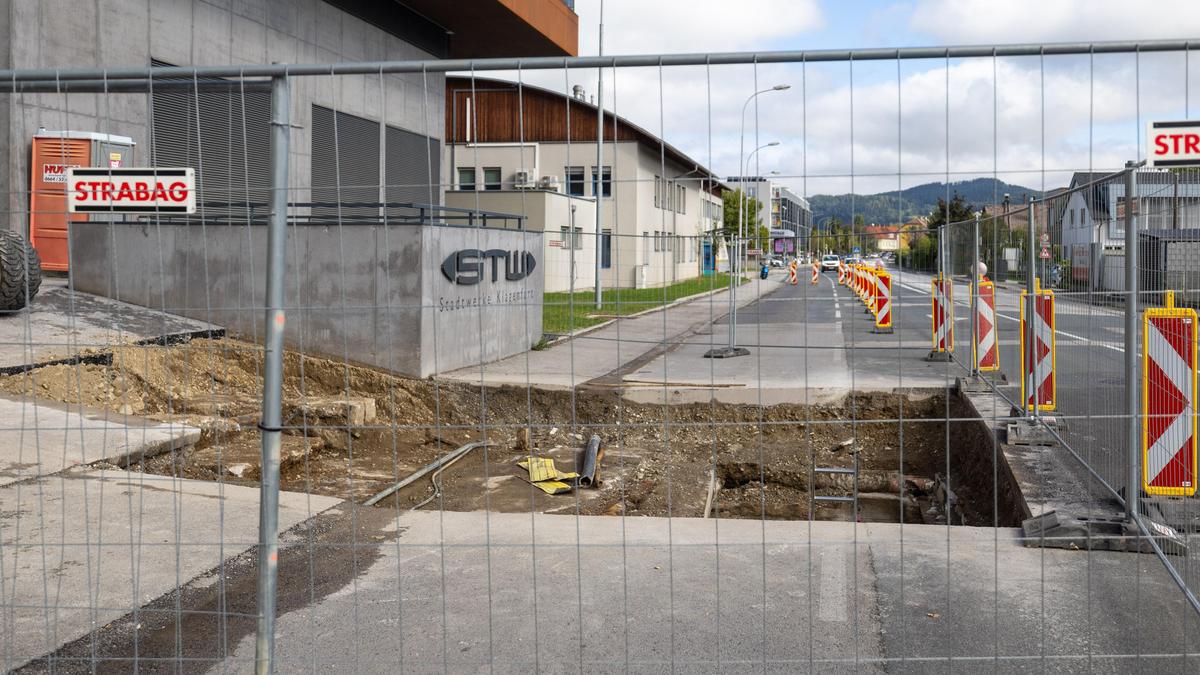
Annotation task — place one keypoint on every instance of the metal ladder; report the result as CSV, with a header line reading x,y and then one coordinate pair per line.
x,y
838,471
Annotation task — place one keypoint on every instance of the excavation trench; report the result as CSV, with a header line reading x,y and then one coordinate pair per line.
x,y
351,432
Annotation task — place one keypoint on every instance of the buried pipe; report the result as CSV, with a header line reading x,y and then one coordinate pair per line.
x,y
448,458
589,476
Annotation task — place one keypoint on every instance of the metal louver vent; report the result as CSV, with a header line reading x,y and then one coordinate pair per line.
x,y
226,137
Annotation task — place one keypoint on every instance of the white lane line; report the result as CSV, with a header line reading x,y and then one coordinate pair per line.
x,y
1063,333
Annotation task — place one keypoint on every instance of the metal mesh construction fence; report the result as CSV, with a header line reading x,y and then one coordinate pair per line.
x,y
451,369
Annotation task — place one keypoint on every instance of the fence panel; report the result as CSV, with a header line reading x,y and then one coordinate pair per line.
x,y
431,379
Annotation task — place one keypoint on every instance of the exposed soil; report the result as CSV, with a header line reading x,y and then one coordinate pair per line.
x,y
353,431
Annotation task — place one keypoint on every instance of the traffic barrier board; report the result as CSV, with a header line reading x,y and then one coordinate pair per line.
x,y
1169,400
943,315
1039,363
883,301
986,346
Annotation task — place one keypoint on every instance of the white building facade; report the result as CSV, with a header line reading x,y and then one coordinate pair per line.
x,y
658,208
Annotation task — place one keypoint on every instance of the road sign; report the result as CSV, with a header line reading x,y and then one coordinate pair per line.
x,y
1045,239
1169,400
1045,254
130,190
753,252
943,315
1173,144
1039,364
856,250
987,347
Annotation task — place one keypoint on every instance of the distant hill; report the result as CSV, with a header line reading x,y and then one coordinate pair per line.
x,y
918,200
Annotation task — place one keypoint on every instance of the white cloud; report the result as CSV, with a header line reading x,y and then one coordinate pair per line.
x,y
1088,118
1023,21
653,26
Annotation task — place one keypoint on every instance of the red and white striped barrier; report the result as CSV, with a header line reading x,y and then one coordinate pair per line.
x,y
816,271
1038,379
841,273
986,346
943,315
883,302
1169,400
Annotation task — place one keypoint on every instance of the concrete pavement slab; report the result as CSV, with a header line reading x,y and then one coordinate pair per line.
x,y
573,362
62,324
39,438
475,592
85,547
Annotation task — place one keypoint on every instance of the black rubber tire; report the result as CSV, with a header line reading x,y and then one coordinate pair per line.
x,y
15,251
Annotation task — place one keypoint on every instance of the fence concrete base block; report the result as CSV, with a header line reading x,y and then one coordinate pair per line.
x,y
981,383
1177,512
1060,530
726,352
882,331
1029,432
939,357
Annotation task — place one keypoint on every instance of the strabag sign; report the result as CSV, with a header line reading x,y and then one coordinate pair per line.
x,y
131,190
1173,144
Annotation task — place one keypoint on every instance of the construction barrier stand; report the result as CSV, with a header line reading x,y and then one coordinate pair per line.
x,y
986,348
883,300
1046,364
943,315
1169,401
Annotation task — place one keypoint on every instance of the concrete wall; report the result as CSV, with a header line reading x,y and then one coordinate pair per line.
x,y
366,293
115,33
464,326
550,212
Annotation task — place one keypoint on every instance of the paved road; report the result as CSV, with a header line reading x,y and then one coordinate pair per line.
x,y
1089,366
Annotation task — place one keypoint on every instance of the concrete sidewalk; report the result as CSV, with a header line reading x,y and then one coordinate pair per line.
x,y
615,347
510,593
81,546
62,324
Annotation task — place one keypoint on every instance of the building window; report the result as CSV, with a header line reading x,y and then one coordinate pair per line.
x,y
575,180
491,178
657,241
1072,211
466,178
682,205
657,192
1082,216
605,181
605,249
572,239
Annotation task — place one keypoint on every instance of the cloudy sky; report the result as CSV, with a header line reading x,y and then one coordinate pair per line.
x,y
1031,121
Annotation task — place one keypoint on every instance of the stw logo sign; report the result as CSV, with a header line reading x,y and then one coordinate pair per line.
x,y
92,190
1173,144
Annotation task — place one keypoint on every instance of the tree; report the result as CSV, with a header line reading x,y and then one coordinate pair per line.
x,y
959,211
732,201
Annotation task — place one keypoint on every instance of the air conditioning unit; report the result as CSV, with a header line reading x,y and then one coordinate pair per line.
x,y
526,179
549,183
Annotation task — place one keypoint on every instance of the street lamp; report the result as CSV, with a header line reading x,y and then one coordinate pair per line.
x,y
741,200
735,264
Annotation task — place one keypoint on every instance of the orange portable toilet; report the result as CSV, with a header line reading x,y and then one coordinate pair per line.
x,y
53,153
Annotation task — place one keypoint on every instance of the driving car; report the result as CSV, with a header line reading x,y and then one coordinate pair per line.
x,y
829,263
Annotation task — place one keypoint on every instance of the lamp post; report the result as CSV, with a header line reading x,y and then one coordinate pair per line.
x,y
735,263
745,214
